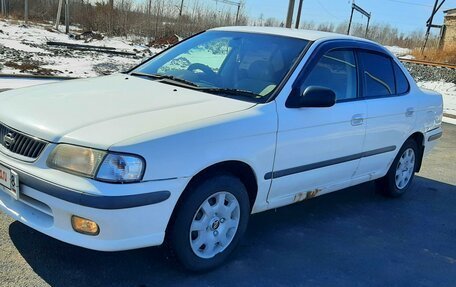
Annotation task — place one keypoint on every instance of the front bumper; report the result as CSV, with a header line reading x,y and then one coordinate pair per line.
x,y
129,215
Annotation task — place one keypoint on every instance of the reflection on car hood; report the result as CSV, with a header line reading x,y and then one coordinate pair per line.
x,y
99,112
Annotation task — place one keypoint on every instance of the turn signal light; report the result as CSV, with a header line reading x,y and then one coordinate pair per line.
x,y
84,226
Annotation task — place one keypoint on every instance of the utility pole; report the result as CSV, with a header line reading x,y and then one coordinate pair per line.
x,y
298,19
157,13
181,8
237,13
67,16
350,22
111,16
179,18
229,2
26,11
290,14
363,12
59,12
429,23
367,26
3,7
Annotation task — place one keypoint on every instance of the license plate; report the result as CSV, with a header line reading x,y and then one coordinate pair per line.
x,y
9,181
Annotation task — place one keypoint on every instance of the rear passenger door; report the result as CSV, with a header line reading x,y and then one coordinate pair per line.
x,y
390,112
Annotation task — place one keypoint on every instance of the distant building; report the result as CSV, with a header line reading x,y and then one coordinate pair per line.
x,y
449,29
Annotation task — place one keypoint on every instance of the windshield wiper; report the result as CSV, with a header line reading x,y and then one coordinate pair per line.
x,y
230,92
218,91
165,77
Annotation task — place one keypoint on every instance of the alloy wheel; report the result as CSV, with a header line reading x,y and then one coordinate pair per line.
x,y
214,225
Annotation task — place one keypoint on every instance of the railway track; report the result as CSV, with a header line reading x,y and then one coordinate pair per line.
x,y
428,63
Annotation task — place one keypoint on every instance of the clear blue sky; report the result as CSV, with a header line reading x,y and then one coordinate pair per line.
x,y
407,15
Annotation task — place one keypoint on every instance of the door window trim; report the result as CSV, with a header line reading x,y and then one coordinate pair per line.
x,y
320,51
343,44
392,62
395,78
356,73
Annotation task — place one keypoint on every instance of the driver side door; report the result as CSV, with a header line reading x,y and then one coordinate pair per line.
x,y
318,148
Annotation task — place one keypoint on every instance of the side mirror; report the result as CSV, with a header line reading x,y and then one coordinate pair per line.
x,y
313,97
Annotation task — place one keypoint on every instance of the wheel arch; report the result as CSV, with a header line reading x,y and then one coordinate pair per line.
x,y
418,137
237,168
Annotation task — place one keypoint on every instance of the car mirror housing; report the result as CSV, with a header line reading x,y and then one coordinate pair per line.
x,y
313,97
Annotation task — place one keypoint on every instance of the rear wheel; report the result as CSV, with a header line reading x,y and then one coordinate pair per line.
x,y
402,171
210,222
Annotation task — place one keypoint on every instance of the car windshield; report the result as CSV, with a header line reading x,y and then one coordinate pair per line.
x,y
246,66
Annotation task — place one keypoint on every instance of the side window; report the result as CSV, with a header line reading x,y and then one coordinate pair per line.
x,y
377,74
402,84
336,70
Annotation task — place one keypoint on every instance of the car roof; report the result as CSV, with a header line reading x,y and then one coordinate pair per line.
x,y
310,35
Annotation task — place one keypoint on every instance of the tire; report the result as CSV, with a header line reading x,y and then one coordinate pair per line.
x,y
402,171
217,228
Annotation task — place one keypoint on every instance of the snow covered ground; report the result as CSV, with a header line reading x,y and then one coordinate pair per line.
x,y
448,91
400,52
23,50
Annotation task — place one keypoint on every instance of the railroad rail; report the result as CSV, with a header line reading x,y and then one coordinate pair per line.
x,y
428,63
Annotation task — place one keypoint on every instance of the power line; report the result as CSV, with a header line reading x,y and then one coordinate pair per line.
x,y
327,11
410,3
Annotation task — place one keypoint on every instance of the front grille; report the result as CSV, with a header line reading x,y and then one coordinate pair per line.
x,y
19,143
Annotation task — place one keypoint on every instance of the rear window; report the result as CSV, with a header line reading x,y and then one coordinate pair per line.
x,y
402,84
378,75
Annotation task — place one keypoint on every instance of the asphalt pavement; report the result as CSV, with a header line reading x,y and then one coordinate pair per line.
x,y
353,237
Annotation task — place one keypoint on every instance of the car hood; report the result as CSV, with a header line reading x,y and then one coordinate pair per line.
x,y
100,112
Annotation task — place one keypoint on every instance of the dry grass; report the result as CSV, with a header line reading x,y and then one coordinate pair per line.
x,y
31,67
447,55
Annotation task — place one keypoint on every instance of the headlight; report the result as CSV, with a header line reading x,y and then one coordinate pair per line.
x,y
75,159
121,168
101,165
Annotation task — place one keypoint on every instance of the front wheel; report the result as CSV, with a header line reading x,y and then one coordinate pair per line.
x,y
211,220
402,171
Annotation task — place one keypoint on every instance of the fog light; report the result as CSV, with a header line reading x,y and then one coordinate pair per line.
x,y
84,226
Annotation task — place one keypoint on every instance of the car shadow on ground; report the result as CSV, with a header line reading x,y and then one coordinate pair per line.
x,y
354,237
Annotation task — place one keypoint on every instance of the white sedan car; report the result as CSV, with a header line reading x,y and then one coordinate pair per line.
x,y
187,145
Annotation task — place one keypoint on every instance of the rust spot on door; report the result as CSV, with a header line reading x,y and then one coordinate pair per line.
x,y
306,195
313,193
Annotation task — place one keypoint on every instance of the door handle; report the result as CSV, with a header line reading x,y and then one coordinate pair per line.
x,y
357,120
409,112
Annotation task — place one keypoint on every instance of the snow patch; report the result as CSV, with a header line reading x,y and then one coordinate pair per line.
x,y
448,91
12,44
400,52
21,44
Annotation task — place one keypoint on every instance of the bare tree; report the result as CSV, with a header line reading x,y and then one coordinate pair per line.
x,y
159,18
